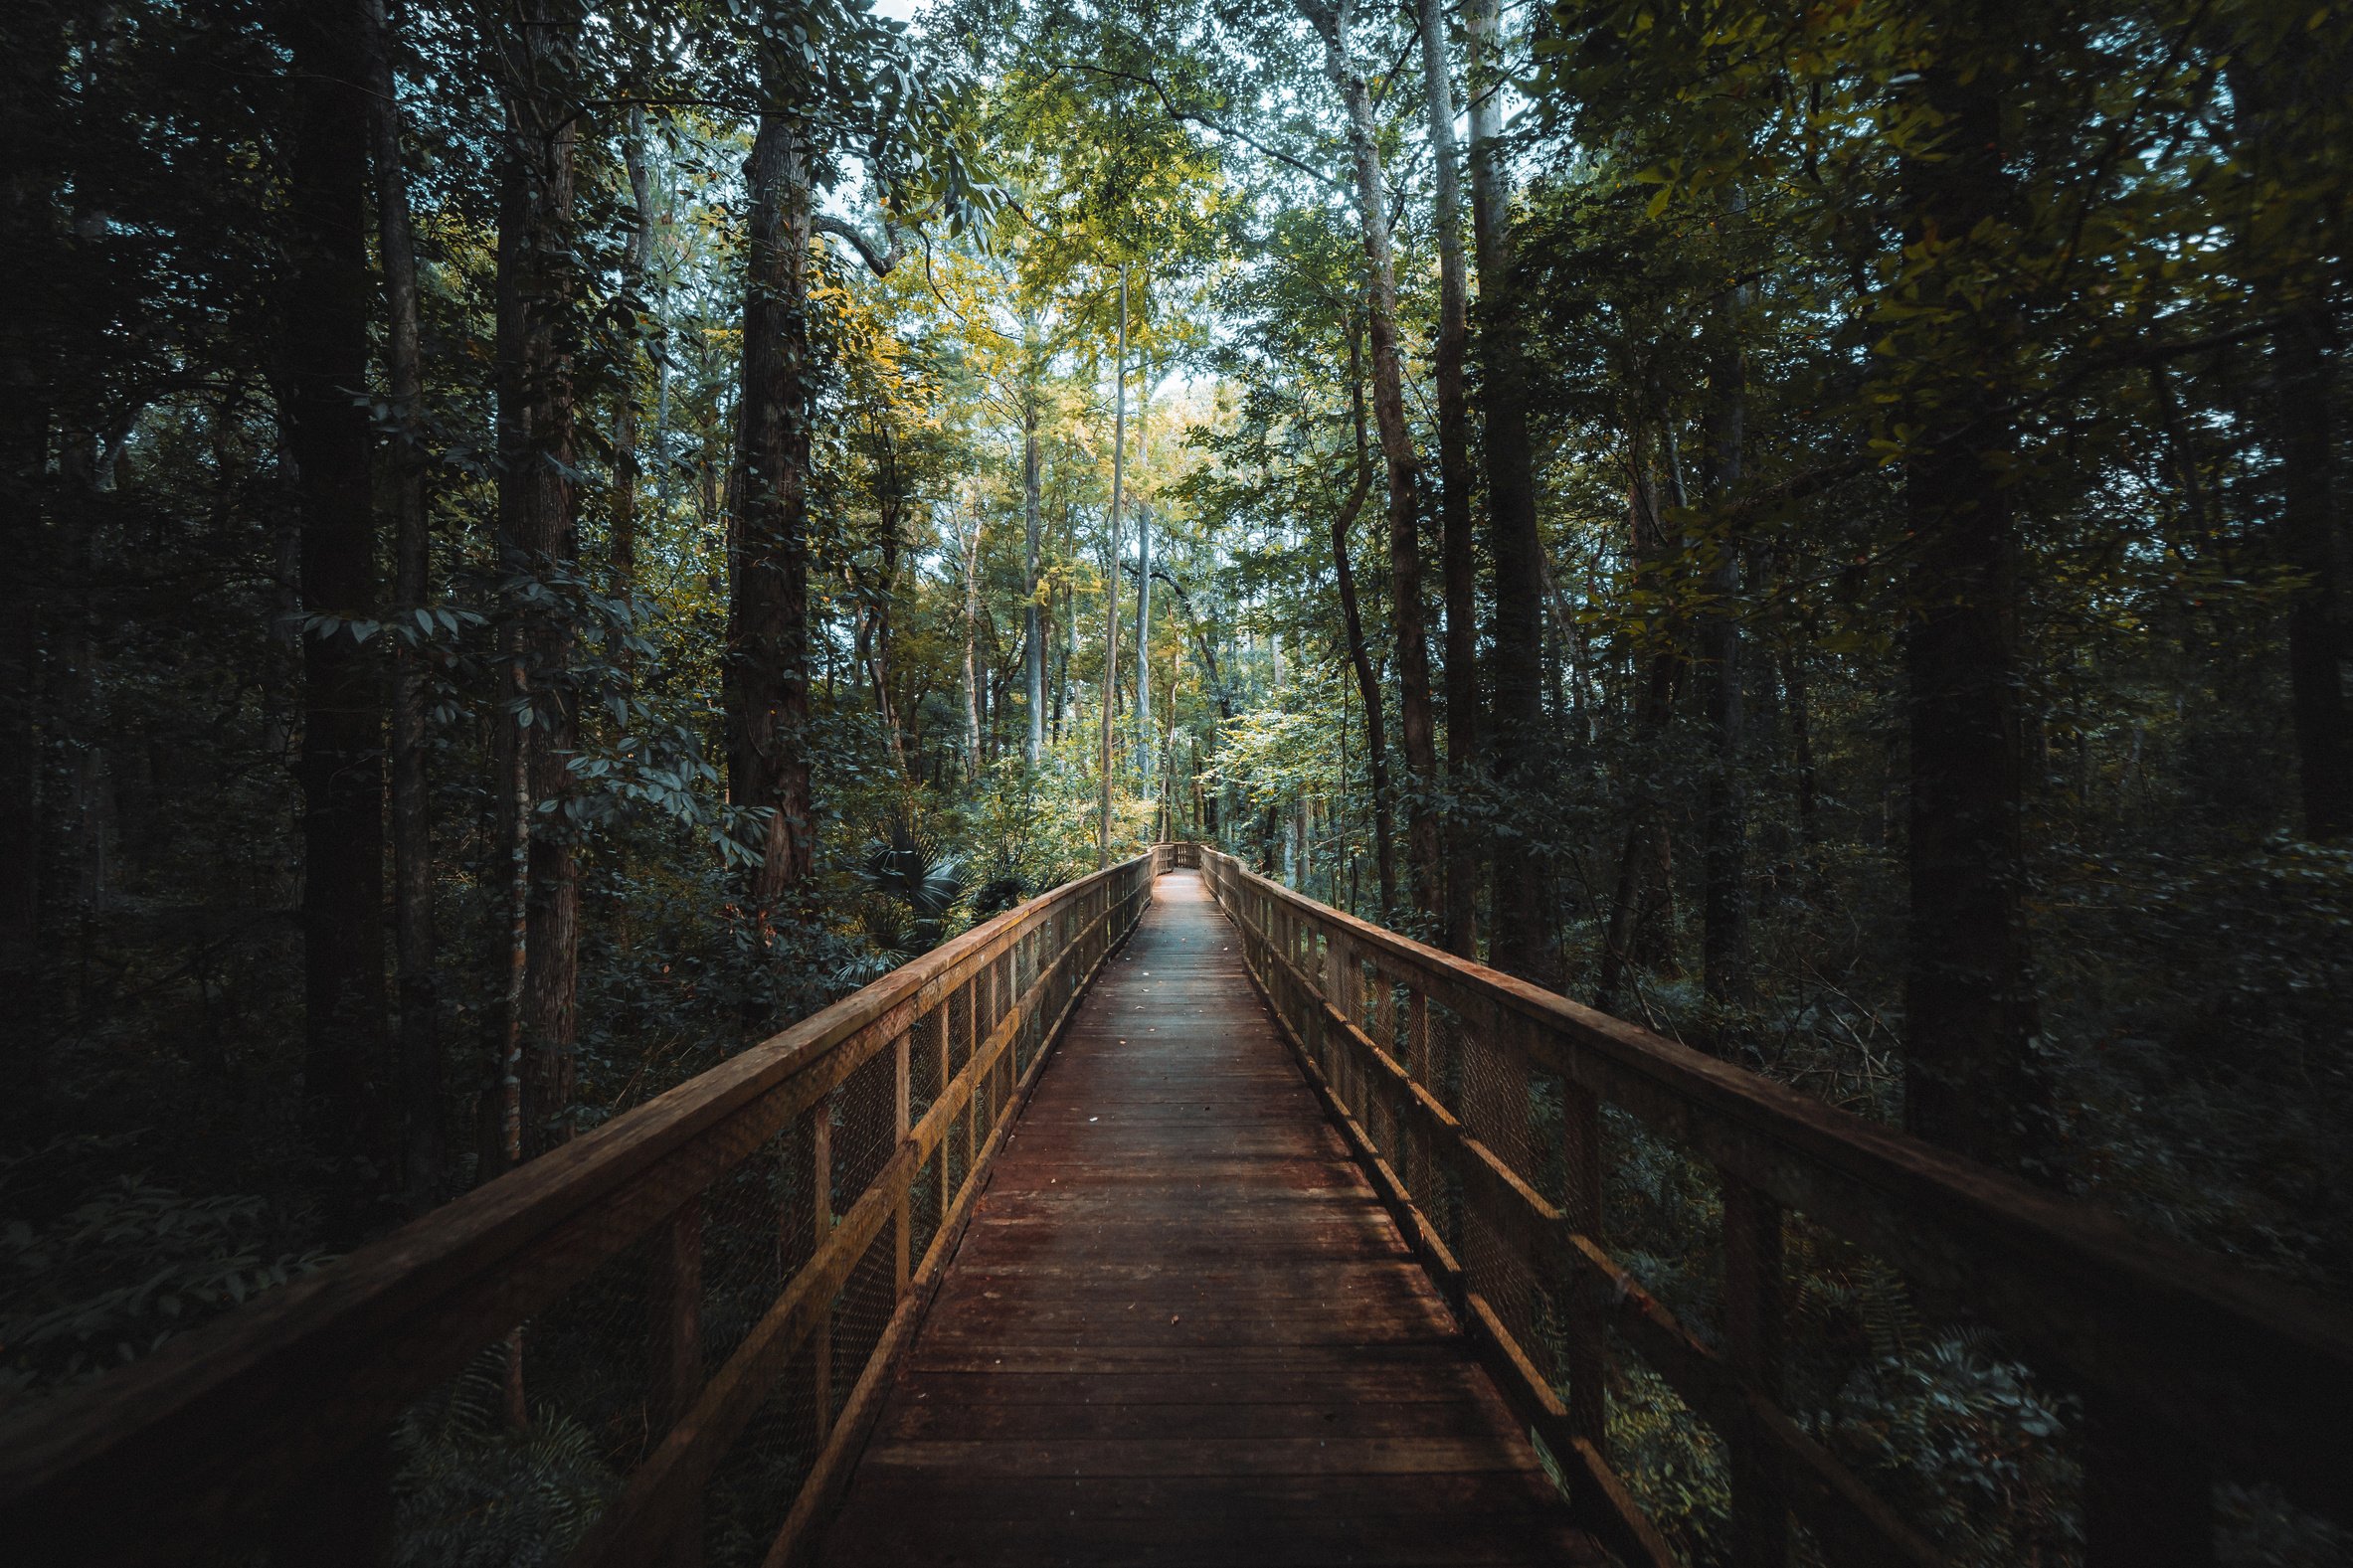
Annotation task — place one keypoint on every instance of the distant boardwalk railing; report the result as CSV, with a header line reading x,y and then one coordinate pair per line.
x,y
1476,1104
739,1258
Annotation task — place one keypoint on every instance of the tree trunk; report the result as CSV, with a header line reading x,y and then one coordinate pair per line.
x,y
973,701
1454,472
1520,940
1640,934
1033,655
1723,942
538,293
1119,470
625,471
1970,1008
31,75
768,548
1406,617
414,935
325,302
1377,765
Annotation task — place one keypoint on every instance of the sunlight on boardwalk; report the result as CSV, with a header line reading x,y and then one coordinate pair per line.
x,y
1181,1330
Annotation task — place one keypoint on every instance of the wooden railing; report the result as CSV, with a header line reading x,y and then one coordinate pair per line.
x,y
1476,1104
747,1251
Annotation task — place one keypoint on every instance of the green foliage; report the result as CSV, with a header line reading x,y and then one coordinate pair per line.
x,y
122,1267
474,1491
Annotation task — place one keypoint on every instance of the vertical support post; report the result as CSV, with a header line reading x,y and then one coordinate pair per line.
x,y
946,1132
673,1310
902,1100
674,1328
2148,1499
1411,1130
1753,1303
820,1160
1588,1349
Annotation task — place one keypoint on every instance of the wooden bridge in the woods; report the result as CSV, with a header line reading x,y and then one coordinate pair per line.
x,y
1318,1278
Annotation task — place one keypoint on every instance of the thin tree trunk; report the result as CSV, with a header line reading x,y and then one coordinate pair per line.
x,y
1640,934
1520,942
1376,765
625,471
1454,472
538,287
1724,940
414,930
1970,1082
2292,291
768,632
1033,655
31,76
973,702
1119,469
1406,617
342,758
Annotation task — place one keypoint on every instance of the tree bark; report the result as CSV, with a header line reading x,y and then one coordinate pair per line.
x,y
1520,940
1407,615
1033,654
31,76
326,353
1640,933
2272,93
414,932
973,700
1454,476
1724,940
1970,1082
1377,753
1119,471
625,469
538,297
768,598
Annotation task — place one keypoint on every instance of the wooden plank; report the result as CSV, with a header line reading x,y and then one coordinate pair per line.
x,y
2255,1371
1183,1275
228,1420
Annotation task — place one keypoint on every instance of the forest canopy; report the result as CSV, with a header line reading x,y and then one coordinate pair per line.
x,y
547,541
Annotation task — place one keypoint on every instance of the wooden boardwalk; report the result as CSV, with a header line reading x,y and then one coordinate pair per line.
x,y
1182,1330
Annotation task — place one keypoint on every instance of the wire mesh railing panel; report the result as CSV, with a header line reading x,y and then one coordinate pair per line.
x,y
1786,1336
645,1349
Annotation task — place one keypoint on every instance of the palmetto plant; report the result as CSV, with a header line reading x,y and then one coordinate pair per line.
x,y
912,883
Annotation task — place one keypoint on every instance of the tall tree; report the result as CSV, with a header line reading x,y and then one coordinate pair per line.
x,y
1454,482
1724,826
415,939
1031,401
2281,94
1111,548
767,527
1407,620
539,287
325,358
1970,1080
1522,942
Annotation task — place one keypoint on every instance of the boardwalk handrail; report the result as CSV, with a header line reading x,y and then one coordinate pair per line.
x,y
2187,1370
848,1149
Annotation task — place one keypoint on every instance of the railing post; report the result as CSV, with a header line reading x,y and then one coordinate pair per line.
x,y
902,1097
1587,1348
2148,1497
1754,1339
821,1161
946,1132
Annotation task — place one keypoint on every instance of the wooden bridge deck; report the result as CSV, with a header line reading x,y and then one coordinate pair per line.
x,y
1181,1330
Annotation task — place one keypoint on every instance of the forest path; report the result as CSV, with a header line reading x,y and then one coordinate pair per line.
x,y
1183,1331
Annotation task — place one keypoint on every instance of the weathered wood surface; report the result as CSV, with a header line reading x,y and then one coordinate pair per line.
x,y
1181,1328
